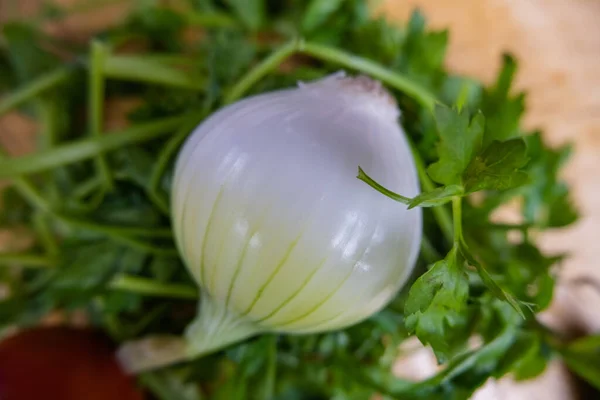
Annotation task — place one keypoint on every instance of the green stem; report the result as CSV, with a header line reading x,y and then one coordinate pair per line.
x,y
389,77
457,216
31,195
87,187
143,246
362,175
27,260
92,202
28,190
87,148
429,253
151,287
117,229
45,110
142,69
171,59
336,56
45,235
261,70
49,124
95,105
440,213
34,88
268,391
121,235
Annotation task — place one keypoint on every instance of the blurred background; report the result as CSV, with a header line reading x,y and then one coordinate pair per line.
x,y
557,45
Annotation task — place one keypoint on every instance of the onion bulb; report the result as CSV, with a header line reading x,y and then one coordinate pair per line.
x,y
273,224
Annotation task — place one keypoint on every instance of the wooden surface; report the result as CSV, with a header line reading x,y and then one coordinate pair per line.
x,y
557,43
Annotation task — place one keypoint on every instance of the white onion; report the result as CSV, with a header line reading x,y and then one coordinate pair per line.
x,y
272,222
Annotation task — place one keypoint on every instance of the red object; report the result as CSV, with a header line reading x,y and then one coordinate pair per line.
x,y
62,364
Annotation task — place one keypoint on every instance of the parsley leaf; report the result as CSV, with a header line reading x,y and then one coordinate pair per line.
x,y
423,52
456,87
318,11
460,140
546,200
85,271
470,369
497,167
497,290
435,306
529,273
502,110
526,358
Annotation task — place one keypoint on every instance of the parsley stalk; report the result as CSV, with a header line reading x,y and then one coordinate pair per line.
x,y
30,193
35,88
136,284
95,107
457,218
335,56
366,66
440,214
41,222
87,148
27,260
144,69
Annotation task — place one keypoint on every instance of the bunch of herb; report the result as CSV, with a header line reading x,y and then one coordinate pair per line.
x,y
96,203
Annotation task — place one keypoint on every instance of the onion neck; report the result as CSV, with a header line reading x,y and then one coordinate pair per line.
x,y
214,328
